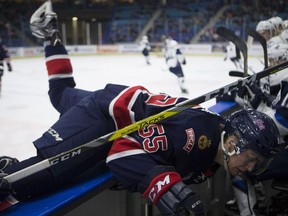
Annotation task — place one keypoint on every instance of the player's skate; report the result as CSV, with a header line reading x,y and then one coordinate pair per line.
x,y
43,22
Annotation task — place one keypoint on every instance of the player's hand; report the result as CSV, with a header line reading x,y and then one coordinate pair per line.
x,y
184,62
254,95
180,200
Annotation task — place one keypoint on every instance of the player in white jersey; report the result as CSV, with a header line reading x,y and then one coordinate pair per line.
x,y
145,48
278,36
277,109
174,60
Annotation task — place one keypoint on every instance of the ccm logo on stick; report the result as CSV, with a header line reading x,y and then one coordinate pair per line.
x,y
65,157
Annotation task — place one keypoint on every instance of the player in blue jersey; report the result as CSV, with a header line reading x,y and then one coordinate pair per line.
x,y
157,161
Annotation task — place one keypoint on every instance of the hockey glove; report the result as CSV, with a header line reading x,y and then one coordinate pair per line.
x,y
254,95
184,61
5,187
6,161
9,66
164,187
180,200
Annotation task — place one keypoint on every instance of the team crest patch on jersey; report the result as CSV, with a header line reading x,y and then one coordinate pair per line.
x,y
203,142
190,140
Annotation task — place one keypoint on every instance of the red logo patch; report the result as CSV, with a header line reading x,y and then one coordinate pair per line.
x,y
190,140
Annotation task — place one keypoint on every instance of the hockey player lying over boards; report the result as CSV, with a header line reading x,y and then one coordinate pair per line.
x,y
158,161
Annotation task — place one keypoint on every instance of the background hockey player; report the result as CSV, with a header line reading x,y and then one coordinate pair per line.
x,y
174,60
171,153
145,48
266,29
4,57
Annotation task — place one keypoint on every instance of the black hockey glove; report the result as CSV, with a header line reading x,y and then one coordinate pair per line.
x,y
164,187
6,161
9,66
184,61
5,187
254,95
180,200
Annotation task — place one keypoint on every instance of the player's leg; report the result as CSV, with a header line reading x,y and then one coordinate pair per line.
x,y
44,25
145,52
177,70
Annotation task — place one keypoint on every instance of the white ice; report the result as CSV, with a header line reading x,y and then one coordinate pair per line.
x,y
26,112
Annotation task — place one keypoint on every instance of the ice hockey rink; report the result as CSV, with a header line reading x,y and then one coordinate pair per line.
x,y
26,112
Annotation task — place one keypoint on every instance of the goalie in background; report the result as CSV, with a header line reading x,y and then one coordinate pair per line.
x,y
233,53
145,48
158,161
4,57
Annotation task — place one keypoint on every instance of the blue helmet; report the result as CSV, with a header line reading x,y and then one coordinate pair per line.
x,y
256,131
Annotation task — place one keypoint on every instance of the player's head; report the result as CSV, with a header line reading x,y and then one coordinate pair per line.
x,y
278,54
285,24
278,24
255,140
284,35
266,29
145,37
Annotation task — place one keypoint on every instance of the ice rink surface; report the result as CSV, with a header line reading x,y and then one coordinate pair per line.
x,y
26,112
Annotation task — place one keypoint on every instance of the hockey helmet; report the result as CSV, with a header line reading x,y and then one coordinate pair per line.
x,y
256,131
266,25
284,35
278,23
285,24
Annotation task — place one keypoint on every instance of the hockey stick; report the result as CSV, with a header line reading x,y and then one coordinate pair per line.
x,y
257,36
141,124
240,46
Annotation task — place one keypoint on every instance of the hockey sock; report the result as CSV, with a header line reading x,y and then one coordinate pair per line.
x,y
58,62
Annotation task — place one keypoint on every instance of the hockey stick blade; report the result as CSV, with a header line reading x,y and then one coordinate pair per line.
x,y
239,43
141,124
237,74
